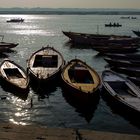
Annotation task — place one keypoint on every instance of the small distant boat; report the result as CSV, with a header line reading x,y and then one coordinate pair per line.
x,y
122,91
4,46
45,64
15,20
137,33
80,78
113,25
14,75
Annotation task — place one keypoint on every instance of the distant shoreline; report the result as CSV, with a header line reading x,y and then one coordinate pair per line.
x,y
69,11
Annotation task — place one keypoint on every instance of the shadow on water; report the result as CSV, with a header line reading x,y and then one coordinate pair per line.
x,y
84,105
43,89
118,108
22,94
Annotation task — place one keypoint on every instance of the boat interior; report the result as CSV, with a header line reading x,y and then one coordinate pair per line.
x,y
79,74
48,61
13,73
122,88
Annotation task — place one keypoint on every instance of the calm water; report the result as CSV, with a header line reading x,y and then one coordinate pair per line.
x,y
56,110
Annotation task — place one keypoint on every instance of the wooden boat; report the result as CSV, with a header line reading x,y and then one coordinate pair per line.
x,y
137,33
113,25
131,71
136,80
122,91
45,64
115,49
14,74
15,20
122,63
4,46
80,77
98,39
126,56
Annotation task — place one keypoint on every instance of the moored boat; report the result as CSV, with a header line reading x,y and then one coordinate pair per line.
x,y
80,78
122,91
99,39
137,33
124,56
4,46
131,71
115,49
14,75
122,63
45,64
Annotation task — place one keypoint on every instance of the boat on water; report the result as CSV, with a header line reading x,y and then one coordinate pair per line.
x,y
115,49
122,63
5,46
124,56
14,75
131,71
100,40
137,33
15,20
80,78
113,25
122,91
136,80
45,64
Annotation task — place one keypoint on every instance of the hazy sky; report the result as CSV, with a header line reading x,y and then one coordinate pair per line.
x,y
72,3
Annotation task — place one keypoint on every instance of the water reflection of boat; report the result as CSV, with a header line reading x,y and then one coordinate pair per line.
x,y
85,107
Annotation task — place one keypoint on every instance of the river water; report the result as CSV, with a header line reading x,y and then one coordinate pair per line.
x,y
54,109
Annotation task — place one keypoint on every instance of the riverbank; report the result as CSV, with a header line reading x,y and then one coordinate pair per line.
x,y
17,132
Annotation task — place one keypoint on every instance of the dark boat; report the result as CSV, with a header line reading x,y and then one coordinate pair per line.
x,y
45,64
14,75
115,49
80,78
98,39
113,25
126,56
136,80
5,46
137,33
15,20
122,91
131,71
122,63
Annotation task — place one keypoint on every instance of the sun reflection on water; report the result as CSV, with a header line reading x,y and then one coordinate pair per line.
x,y
20,109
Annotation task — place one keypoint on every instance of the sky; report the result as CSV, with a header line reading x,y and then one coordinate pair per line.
x,y
134,4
